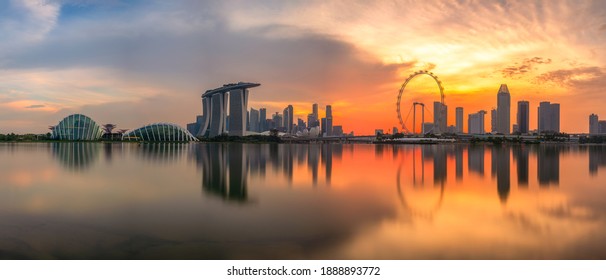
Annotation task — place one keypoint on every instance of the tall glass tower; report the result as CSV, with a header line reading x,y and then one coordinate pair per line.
x,y
503,110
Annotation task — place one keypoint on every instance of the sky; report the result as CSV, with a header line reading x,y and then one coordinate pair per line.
x,y
137,62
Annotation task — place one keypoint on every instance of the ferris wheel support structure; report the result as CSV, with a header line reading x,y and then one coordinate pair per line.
x,y
415,74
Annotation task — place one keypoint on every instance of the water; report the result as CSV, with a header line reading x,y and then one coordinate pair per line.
x,y
269,201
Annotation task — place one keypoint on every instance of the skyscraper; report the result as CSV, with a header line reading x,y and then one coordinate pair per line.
x,y
440,115
254,120
323,127
459,119
548,117
503,110
593,124
328,120
263,120
493,120
315,111
288,118
300,124
523,116
476,123
278,120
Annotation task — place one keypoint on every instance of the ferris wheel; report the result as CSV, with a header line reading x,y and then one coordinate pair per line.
x,y
398,104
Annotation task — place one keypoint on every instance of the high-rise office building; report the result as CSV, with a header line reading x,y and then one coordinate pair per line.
x,y
593,124
288,118
440,117
328,120
278,120
254,120
548,117
459,119
503,110
475,123
301,124
602,127
523,117
291,118
315,111
263,120
323,127
493,120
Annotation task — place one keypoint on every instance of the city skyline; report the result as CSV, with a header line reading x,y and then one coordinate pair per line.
x,y
334,53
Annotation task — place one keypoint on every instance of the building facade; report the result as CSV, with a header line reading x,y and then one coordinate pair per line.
x,y
254,120
548,117
329,124
263,120
159,132
493,120
77,127
503,110
440,117
475,123
459,119
593,124
523,117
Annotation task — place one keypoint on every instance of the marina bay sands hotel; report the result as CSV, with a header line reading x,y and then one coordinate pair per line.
x,y
214,111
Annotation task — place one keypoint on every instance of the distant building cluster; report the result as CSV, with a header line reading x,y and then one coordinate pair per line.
x,y
285,122
216,119
500,118
596,126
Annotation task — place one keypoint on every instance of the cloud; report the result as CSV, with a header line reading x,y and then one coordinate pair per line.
x,y
113,72
525,66
35,106
578,78
26,21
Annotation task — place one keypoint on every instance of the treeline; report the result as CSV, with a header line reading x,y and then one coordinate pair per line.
x,y
12,137
593,139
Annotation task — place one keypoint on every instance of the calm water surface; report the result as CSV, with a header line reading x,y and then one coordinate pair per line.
x,y
270,201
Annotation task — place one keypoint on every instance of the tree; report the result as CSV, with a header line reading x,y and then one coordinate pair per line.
x,y
108,128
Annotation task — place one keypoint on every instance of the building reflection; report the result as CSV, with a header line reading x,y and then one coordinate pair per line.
x,y
439,163
228,167
458,150
548,165
501,165
597,158
445,157
520,156
475,159
76,156
161,152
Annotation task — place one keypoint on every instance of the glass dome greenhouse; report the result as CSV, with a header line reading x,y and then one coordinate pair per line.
x,y
159,132
77,127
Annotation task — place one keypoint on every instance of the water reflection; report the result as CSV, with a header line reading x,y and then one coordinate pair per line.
x,y
299,201
520,155
597,158
441,158
475,159
227,168
548,165
76,156
161,152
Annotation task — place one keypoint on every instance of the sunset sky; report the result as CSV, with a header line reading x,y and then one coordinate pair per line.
x,y
138,62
